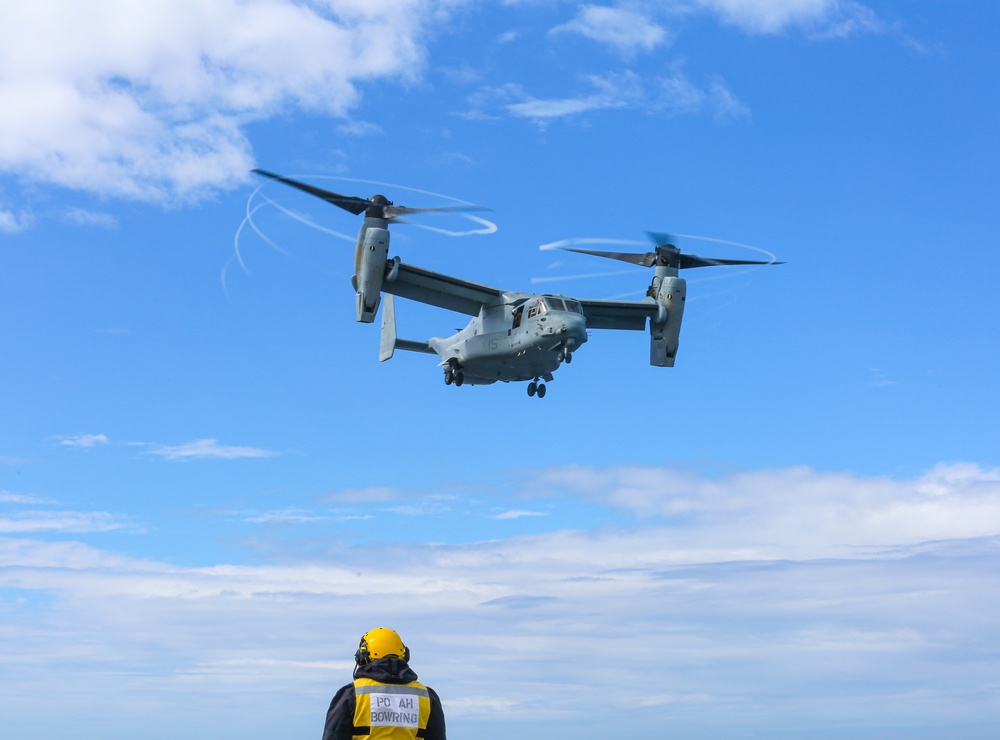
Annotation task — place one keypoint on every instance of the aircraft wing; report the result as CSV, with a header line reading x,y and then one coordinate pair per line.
x,y
630,315
443,291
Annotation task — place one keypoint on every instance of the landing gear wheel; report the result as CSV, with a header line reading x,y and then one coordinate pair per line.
x,y
561,356
459,378
541,390
449,378
569,357
532,387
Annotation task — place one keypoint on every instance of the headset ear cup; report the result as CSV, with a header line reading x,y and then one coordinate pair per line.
x,y
406,654
361,657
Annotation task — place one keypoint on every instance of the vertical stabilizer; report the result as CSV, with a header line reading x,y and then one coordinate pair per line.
x,y
388,342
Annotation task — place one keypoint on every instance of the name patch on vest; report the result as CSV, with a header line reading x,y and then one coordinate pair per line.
x,y
396,710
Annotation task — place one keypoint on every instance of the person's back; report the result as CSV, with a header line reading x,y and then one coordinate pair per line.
x,y
385,701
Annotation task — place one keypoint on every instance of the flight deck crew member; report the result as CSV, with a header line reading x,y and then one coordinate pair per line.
x,y
385,701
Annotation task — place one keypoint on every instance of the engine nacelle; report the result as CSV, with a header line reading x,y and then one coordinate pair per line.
x,y
664,334
370,261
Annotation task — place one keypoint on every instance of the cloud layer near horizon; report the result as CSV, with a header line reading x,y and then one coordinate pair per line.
x,y
742,580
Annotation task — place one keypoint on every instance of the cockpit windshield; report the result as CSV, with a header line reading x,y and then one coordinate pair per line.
x,y
554,303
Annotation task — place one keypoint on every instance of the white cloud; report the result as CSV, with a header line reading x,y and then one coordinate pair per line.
x,y
150,102
608,92
880,379
359,128
207,449
12,222
676,94
830,18
60,521
625,30
83,217
517,514
740,598
958,480
794,512
428,505
850,19
84,440
725,638
673,94
9,497
15,460
364,495
284,516
725,105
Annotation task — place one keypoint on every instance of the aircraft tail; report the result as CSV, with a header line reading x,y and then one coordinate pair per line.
x,y
390,342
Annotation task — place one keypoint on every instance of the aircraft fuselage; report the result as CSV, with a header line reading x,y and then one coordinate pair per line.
x,y
531,342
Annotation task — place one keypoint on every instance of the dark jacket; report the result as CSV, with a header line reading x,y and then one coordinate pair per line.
x,y
340,715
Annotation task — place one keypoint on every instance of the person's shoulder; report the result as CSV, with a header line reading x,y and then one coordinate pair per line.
x,y
344,691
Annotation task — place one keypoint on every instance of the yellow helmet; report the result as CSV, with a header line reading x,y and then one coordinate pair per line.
x,y
380,643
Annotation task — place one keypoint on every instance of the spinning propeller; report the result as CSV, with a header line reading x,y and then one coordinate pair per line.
x,y
378,206
667,255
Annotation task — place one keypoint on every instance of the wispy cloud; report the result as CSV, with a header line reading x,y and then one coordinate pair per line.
x,y
820,18
359,128
284,516
426,505
609,91
9,497
12,222
84,440
61,521
725,106
83,217
626,30
517,514
374,494
880,379
674,94
202,449
15,460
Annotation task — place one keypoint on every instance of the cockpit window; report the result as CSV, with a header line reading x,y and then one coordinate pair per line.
x,y
554,303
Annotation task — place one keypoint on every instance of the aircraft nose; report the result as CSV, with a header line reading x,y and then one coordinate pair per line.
x,y
575,327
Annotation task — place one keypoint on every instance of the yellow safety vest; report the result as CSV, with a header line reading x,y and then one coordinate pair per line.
x,y
388,711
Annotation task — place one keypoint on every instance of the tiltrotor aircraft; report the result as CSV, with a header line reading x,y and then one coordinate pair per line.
x,y
512,336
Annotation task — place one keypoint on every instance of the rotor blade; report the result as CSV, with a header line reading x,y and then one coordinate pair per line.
x,y
349,203
644,260
661,239
693,260
395,211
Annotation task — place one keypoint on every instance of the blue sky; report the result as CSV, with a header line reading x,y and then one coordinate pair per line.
x,y
210,488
